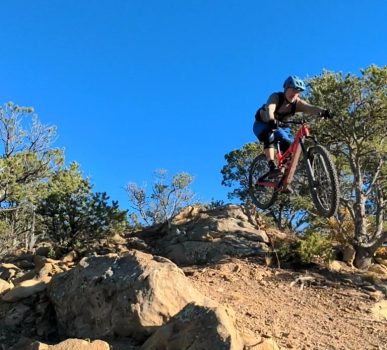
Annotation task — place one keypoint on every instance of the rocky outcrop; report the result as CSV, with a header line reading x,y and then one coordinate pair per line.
x,y
25,284
198,236
26,308
379,269
133,295
68,344
130,295
4,286
8,271
144,300
197,327
24,290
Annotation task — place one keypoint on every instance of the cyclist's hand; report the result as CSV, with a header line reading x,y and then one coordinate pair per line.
x,y
272,124
327,114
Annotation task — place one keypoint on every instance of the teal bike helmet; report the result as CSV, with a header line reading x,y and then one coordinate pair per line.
x,y
294,82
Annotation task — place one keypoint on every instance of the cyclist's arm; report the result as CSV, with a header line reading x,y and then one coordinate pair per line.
x,y
305,107
271,104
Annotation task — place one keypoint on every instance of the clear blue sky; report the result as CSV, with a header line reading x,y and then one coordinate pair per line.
x,y
133,86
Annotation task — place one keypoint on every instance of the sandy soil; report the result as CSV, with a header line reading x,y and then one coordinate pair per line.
x,y
313,309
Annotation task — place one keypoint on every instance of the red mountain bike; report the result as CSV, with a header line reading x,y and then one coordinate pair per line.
x,y
321,173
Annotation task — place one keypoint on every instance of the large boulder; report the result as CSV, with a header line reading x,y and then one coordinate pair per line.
x,y
16,315
197,327
197,236
110,295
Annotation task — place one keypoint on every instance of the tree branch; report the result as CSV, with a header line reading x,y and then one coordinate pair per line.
x,y
375,177
348,204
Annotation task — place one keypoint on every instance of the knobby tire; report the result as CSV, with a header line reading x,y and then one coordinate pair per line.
x,y
325,189
263,197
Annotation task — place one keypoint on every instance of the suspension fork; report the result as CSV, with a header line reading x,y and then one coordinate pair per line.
x,y
308,166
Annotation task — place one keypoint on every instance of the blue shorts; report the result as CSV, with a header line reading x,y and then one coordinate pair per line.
x,y
270,137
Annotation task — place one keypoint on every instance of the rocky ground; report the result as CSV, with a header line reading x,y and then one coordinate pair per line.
x,y
306,309
224,254
310,309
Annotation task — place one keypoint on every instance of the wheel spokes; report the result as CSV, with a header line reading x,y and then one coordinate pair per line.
x,y
262,195
323,184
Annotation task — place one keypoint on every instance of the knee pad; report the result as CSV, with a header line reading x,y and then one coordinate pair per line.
x,y
267,137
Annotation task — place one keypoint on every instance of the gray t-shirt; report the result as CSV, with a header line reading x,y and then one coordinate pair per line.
x,y
269,112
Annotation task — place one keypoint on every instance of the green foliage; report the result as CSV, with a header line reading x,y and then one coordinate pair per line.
x,y
306,249
167,198
359,104
236,171
70,212
26,162
26,157
214,203
314,245
357,137
287,250
38,197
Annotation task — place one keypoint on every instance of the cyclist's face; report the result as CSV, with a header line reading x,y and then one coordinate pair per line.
x,y
292,94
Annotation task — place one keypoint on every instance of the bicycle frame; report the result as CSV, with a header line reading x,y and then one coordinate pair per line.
x,y
289,159
322,179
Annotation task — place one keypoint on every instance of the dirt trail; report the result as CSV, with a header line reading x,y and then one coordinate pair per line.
x,y
313,309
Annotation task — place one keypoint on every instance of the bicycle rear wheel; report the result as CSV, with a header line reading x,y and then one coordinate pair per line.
x,y
325,187
262,196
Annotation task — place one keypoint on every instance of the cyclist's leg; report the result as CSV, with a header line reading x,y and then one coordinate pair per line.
x,y
285,138
260,130
266,136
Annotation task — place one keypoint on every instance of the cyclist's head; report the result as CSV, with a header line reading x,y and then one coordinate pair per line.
x,y
294,82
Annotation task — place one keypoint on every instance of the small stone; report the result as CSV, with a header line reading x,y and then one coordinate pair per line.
x,y
369,288
376,295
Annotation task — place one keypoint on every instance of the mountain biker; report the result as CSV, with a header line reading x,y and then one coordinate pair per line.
x,y
281,106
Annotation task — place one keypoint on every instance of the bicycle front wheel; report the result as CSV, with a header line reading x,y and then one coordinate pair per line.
x,y
323,181
262,196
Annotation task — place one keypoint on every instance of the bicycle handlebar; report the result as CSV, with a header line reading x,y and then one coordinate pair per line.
x,y
297,122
